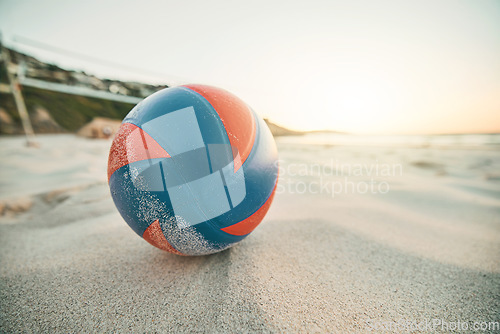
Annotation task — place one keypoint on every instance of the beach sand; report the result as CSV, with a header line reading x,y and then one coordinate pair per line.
x,y
423,247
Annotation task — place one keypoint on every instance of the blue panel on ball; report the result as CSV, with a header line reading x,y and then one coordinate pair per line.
x,y
199,200
175,100
178,131
138,207
235,184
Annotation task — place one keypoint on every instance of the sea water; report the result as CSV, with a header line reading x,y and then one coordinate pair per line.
x,y
489,141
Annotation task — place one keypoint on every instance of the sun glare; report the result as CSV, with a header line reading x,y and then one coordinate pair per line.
x,y
361,103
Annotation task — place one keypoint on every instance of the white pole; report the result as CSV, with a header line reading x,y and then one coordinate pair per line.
x,y
15,89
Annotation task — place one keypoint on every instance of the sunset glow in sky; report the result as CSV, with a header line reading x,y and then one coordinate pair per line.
x,y
355,66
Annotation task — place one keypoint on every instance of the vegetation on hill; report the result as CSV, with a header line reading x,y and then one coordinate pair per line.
x,y
70,111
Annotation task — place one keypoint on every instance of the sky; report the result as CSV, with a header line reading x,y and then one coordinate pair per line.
x,y
369,67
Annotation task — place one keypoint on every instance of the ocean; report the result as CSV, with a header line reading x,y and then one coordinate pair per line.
x,y
465,141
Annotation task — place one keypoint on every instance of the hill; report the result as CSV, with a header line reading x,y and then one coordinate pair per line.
x,y
69,112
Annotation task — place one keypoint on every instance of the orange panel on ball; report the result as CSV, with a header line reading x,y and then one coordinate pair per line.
x,y
236,117
155,237
139,146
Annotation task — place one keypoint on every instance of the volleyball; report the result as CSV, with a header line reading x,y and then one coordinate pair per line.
x,y
193,169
